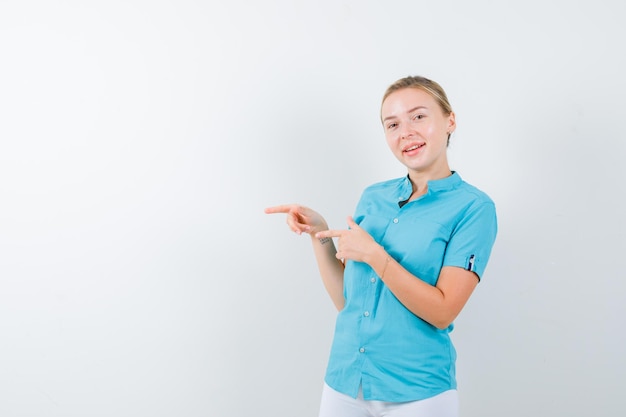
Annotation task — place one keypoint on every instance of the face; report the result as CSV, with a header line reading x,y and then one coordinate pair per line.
x,y
417,131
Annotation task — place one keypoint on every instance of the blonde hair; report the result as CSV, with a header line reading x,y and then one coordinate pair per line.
x,y
430,86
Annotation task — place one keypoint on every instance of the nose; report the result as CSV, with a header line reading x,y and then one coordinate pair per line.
x,y
405,131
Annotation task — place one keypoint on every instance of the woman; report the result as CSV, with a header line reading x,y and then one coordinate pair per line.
x,y
403,269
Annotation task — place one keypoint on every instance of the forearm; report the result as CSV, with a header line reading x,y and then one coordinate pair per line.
x,y
426,301
330,268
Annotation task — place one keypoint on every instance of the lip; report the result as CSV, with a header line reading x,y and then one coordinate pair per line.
x,y
413,148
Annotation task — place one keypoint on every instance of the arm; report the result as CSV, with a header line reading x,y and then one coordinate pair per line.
x,y
438,305
304,220
331,269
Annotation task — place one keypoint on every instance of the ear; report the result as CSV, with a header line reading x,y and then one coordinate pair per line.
x,y
451,122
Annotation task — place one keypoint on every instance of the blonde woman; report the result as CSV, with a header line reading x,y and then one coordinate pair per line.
x,y
403,268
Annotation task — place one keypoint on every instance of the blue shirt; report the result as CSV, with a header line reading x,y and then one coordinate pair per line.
x,y
378,343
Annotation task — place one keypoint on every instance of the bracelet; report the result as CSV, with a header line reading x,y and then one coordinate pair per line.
x,y
385,267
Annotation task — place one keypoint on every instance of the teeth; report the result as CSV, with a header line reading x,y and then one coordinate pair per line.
x,y
413,148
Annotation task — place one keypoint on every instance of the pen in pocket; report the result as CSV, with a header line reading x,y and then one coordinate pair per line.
x,y
470,263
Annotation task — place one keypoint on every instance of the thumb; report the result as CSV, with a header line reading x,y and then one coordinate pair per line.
x,y
351,223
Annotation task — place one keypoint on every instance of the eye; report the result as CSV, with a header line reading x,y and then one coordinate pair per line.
x,y
419,116
391,125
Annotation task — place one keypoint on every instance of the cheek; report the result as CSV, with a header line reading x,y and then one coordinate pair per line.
x,y
391,140
430,130
435,132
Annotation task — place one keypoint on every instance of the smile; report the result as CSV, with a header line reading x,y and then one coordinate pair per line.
x,y
414,147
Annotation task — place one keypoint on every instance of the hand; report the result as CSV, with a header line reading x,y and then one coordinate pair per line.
x,y
354,244
300,219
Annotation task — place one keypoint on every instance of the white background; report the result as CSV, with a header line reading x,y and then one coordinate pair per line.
x,y
141,140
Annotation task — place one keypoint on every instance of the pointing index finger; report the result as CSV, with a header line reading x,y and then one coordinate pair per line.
x,y
285,208
328,233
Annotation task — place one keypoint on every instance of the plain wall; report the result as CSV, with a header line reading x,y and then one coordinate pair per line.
x,y
141,140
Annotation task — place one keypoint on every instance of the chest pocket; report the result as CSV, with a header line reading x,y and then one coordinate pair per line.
x,y
419,245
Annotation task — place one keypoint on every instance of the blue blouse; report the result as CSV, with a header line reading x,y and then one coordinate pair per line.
x,y
379,344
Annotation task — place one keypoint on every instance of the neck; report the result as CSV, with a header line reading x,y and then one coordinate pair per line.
x,y
420,179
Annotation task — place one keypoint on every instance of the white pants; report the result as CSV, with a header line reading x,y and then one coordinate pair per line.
x,y
336,404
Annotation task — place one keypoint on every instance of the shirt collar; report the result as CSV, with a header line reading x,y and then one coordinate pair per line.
x,y
442,184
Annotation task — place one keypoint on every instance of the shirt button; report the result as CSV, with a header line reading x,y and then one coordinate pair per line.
x,y
362,350
372,280
366,314
395,220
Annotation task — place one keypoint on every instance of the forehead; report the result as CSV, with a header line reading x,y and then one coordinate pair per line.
x,y
406,99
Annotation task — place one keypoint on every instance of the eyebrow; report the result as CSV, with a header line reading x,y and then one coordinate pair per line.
x,y
408,112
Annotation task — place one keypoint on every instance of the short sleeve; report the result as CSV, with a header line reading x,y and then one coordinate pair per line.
x,y
472,239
